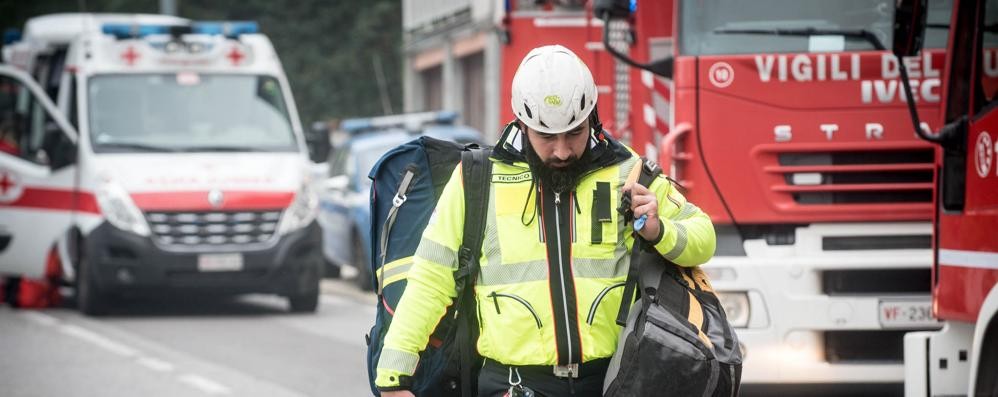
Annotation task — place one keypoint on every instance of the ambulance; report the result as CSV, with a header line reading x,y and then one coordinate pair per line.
x,y
153,155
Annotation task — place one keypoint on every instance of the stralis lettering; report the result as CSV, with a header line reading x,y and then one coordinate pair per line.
x,y
885,88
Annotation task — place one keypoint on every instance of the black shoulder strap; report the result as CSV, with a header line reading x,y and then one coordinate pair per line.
x,y
649,170
477,172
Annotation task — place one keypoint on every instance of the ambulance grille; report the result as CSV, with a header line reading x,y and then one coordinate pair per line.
x,y
207,229
879,175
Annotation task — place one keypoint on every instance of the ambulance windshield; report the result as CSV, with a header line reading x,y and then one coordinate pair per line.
x,y
703,23
188,112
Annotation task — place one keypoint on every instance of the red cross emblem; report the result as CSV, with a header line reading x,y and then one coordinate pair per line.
x,y
130,56
5,183
235,56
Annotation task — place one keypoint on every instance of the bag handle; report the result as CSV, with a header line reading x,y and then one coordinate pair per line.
x,y
644,172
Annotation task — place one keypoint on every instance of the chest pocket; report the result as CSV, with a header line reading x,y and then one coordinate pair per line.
x,y
602,217
599,203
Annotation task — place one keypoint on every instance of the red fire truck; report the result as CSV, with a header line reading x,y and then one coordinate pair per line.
x,y
526,25
787,122
962,358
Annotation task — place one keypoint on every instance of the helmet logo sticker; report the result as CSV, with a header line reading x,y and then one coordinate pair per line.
x,y
552,100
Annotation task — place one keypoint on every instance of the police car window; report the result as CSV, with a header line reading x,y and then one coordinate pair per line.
x,y
188,112
24,123
701,21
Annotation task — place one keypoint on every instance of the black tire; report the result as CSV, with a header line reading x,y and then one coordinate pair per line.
x,y
304,303
306,300
331,270
359,261
90,300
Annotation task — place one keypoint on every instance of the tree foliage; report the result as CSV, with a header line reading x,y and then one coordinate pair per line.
x,y
327,47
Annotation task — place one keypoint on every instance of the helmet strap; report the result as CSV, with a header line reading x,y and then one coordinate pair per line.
x,y
595,125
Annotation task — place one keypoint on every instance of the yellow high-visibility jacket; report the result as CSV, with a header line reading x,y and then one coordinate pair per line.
x,y
552,266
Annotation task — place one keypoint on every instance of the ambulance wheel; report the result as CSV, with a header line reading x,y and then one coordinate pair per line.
x,y
90,300
306,300
359,261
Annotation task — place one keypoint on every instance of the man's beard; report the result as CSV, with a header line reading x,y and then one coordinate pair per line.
x,y
559,179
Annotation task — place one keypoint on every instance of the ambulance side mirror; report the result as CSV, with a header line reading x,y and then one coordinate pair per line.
x,y
317,140
60,150
909,27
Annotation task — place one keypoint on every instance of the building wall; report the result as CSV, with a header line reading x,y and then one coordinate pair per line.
x,y
452,60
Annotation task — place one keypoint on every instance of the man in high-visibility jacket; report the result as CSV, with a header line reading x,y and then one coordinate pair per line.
x,y
556,252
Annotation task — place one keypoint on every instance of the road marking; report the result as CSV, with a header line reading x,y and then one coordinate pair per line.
x,y
204,384
100,341
40,318
336,300
155,364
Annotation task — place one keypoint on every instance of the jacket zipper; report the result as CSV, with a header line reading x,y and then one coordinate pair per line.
x,y
599,298
561,275
495,299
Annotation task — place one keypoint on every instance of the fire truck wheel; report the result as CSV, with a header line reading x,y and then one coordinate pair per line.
x,y
359,261
986,384
89,299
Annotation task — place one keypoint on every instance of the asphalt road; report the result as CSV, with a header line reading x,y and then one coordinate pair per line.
x,y
188,346
246,346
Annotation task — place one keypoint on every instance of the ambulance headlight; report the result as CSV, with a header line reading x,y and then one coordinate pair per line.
x,y
302,211
119,209
736,307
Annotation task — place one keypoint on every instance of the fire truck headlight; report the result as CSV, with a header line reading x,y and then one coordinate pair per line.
x,y
736,307
119,209
302,211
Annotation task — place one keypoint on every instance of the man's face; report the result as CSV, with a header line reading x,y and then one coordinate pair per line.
x,y
560,150
557,160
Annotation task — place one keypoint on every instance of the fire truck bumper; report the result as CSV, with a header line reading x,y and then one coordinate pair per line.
x,y
126,263
816,317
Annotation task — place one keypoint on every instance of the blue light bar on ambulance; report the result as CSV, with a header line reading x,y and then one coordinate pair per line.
x,y
127,31
231,29
11,35
410,121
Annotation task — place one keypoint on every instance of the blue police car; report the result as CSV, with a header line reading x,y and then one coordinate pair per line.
x,y
345,213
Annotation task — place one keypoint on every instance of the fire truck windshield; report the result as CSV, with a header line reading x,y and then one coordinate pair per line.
x,y
188,112
703,22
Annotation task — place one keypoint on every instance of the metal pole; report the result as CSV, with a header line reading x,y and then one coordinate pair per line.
x,y
379,74
168,7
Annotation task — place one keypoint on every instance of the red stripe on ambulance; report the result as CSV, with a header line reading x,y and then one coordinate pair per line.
x,y
198,200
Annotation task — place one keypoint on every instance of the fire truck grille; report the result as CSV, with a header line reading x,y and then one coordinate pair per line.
x,y
881,347
206,229
876,176
876,282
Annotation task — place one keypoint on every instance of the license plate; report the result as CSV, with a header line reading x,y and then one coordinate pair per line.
x,y
906,314
220,262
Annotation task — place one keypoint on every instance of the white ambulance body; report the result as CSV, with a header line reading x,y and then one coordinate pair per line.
x,y
189,172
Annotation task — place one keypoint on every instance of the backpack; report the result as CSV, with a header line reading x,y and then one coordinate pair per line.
x,y
676,339
407,181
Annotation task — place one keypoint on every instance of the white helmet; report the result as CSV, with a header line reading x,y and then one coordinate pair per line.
x,y
553,90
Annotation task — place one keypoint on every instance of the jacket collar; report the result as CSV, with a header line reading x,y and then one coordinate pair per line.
x,y
604,150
